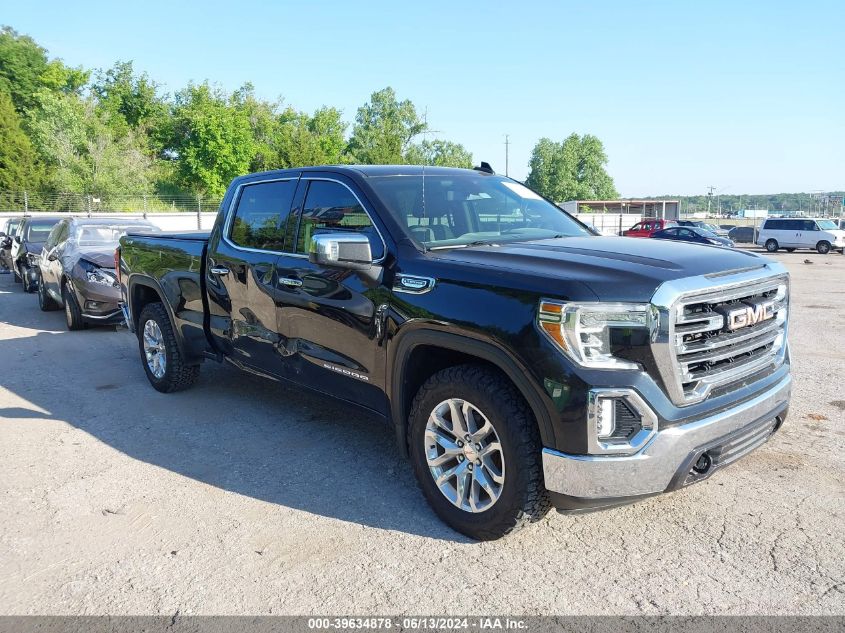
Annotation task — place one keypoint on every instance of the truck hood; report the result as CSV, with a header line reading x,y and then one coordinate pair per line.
x,y
614,268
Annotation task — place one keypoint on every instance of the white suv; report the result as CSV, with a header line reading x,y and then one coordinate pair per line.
x,y
820,234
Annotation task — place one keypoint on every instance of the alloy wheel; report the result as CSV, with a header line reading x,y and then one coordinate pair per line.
x,y
464,455
154,349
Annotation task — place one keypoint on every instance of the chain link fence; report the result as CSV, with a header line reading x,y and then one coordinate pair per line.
x,y
26,201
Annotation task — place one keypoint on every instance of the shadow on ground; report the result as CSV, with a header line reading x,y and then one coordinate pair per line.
x,y
241,433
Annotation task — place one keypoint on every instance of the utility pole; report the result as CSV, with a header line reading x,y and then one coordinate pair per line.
x,y
507,151
710,191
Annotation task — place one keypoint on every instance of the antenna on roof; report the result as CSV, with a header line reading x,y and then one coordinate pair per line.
x,y
485,167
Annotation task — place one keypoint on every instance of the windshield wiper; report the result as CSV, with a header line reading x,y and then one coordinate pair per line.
x,y
473,243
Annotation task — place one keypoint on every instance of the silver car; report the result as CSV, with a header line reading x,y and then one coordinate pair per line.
x,y
76,270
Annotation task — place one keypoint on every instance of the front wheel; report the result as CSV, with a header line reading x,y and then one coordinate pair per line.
x,y
476,452
27,286
160,355
772,246
45,301
823,247
73,313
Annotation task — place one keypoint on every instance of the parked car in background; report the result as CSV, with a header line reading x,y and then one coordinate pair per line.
x,y
692,234
26,248
647,227
704,225
76,269
7,236
741,235
822,234
727,227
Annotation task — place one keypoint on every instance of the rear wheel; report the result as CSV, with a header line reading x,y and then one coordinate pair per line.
x,y
476,452
163,362
73,315
772,246
45,301
823,247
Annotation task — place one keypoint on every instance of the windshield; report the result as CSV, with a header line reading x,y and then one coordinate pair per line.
x,y
461,209
708,227
104,235
827,225
38,230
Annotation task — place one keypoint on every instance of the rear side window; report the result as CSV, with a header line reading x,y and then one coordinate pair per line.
x,y
261,213
330,206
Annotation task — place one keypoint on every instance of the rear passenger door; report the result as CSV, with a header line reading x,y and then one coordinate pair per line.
x,y
241,274
330,317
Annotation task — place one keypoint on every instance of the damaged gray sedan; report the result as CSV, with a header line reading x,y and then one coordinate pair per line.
x,y
76,269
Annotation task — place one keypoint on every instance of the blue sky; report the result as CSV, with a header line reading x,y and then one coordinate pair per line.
x,y
746,96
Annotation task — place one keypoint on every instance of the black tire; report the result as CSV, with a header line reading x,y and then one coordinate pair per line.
x,y
45,301
790,250
177,375
27,287
772,246
823,247
73,315
523,498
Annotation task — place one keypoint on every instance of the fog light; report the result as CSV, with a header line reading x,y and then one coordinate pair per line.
x,y
92,305
618,422
606,419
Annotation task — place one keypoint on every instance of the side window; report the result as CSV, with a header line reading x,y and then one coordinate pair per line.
x,y
261,213
810,225
330,206
54,237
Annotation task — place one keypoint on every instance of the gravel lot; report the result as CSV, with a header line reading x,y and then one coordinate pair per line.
x,y
243,496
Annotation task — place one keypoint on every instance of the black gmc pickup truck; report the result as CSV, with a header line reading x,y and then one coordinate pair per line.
x,y
521,361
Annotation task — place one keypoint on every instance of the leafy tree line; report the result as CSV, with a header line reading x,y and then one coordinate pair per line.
x,y
114,132
70,130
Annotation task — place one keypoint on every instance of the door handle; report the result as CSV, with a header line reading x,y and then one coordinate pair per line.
x,y
219,270
293,283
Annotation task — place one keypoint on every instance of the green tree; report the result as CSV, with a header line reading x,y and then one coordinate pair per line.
x,y
78,141
24,70
264,122
440,153
571,170
384,129
132,102
19,165
213,140
311,140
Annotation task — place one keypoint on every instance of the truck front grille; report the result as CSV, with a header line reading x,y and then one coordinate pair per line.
x,y
718,337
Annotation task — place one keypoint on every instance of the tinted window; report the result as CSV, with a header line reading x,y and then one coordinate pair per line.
x,y
260,215
330,206
809,225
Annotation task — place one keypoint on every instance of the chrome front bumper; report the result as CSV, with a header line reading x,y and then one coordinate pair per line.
x,y
665,463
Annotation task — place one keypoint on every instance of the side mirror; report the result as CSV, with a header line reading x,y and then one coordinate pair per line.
x,y
17,239
342,250
52,255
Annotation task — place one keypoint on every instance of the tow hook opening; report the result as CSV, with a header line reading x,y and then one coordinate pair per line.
x,y
702,464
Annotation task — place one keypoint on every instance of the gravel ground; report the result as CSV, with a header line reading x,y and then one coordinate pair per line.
x,y
243,496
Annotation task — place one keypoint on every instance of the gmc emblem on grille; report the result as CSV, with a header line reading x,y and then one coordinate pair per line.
x,y
749,313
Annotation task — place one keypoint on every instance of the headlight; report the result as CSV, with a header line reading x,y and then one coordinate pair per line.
x,y
97,275
583,330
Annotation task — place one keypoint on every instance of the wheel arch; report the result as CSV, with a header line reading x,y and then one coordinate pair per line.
x,y
141,291
446,349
